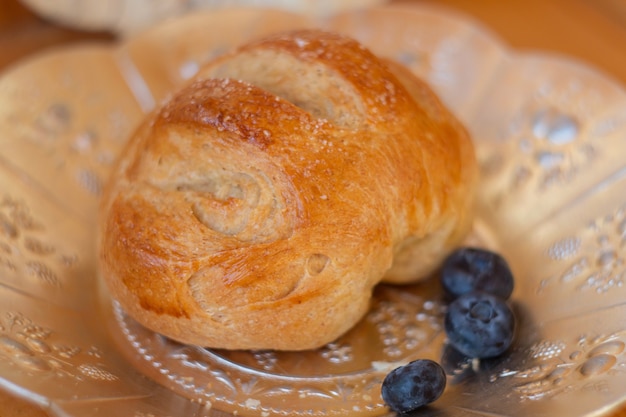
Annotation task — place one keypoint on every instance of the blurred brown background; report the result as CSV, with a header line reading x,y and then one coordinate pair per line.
x,y
589,30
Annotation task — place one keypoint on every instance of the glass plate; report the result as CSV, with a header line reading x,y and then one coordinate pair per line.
x,y
549,135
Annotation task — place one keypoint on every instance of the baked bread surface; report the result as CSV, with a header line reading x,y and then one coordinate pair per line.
x,y
260,205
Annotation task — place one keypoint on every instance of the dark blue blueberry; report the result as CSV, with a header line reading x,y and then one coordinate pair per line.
x,y
413,385
480,325
474,269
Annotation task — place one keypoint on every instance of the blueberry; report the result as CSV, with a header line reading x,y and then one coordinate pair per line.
x,y
480,325
474,269
413,385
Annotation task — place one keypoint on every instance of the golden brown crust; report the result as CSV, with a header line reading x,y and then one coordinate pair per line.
x,y
260,205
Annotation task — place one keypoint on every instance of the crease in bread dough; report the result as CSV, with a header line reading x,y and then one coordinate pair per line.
x,y
328,95
243,205
316,263
204,282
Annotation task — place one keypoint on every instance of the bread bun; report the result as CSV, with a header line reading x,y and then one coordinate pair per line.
x,y
258,207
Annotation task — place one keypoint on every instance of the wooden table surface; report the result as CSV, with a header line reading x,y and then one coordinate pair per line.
x,y
593,31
